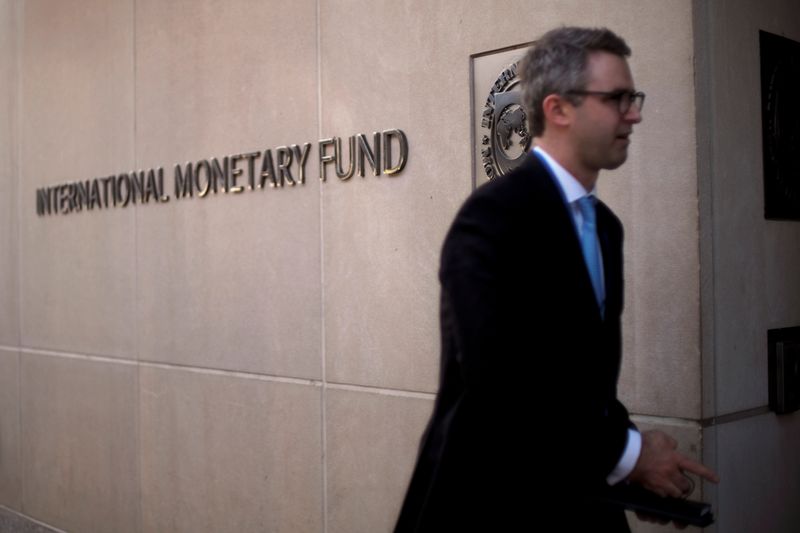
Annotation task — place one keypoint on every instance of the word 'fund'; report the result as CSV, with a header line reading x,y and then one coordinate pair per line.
x,y
360,151
285,165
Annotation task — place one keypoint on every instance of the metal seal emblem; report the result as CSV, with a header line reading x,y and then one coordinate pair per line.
x,y
504,120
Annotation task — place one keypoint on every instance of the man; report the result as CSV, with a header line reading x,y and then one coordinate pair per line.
x,y
527,429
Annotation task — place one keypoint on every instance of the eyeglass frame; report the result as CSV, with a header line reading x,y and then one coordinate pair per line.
x,y
633,97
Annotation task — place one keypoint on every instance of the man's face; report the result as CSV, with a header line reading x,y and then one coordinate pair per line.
x,y
600,133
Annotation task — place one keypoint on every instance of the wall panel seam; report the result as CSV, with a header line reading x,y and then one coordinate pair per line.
x,y
323,353
708,422
17,18
137,354
30,519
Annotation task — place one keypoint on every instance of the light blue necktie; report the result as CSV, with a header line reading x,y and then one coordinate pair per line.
x,y
591,247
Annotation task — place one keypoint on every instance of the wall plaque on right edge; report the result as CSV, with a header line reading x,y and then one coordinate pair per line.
x,y
780,123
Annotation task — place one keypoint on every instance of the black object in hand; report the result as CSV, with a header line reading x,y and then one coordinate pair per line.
x,y
637,498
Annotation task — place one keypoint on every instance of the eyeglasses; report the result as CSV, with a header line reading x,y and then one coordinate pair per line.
x,y
624,99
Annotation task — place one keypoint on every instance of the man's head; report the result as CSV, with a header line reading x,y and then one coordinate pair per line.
x,y
557,64
579,93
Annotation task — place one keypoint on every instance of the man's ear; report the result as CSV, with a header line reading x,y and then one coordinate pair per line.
x,y
557,110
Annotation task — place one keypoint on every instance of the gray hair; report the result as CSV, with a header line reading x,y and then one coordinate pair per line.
x,y
556,64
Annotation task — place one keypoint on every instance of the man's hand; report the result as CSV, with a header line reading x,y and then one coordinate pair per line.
x,y
661,468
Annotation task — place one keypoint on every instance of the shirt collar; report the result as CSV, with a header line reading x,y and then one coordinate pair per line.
x,y
573,190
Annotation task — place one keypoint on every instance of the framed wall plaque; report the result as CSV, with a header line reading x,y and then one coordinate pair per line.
x,y
780,119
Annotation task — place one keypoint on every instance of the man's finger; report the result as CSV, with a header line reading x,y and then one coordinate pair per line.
x,y
667,488
699,469
658,490
683,483
675,491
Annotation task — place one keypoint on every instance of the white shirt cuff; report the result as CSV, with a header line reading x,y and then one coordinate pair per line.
x,y
628,460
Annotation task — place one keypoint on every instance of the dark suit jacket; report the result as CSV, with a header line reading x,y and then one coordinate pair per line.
x,y
526,424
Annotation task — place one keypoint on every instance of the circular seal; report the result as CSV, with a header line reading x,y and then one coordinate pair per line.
x,y
504,121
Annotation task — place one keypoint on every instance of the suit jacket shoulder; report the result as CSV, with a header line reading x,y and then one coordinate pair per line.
x,y
507,211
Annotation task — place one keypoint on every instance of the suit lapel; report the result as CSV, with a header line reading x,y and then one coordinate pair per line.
x,y
612,267
562,223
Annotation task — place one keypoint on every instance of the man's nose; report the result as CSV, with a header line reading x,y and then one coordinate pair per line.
x,y
634,115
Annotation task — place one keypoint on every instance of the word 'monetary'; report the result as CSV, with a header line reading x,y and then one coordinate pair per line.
x,y
285,166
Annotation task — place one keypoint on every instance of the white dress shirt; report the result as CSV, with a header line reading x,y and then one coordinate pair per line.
x,y
573,191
